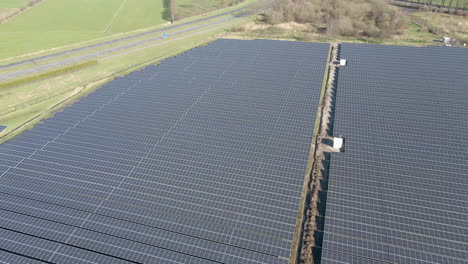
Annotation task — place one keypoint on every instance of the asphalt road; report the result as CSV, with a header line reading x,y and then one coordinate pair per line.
x,y
81,58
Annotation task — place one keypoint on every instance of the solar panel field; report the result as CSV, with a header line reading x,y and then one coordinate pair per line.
x,y
399,193
200,159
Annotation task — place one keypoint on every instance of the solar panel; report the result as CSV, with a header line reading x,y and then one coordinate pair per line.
x,y
398,194
2,128
200,159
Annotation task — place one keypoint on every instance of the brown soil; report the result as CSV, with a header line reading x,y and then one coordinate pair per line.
x,y
292,25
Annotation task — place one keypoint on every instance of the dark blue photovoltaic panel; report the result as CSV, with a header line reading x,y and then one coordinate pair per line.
x,y
336,257
200,159
398,194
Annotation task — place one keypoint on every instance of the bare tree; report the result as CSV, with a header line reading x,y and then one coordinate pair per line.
x,y
457,5
450,4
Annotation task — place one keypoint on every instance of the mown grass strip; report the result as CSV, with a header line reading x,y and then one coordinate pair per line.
x,y
47,74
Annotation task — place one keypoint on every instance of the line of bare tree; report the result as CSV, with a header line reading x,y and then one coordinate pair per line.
x,y
30,4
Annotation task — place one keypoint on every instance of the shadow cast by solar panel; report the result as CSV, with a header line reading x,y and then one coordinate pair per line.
x,y
338,51
321,207
327,141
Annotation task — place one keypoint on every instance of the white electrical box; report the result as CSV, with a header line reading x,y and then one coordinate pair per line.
x,y
342,62
446,40
338,143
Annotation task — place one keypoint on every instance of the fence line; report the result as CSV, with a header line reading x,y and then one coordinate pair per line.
x,y
430,4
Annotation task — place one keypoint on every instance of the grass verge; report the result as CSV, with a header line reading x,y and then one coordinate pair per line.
x,y
48,74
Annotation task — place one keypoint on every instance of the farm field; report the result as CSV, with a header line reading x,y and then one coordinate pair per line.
x,y
12,3
6,11
9,6
55,23
134,14
39,29
186,8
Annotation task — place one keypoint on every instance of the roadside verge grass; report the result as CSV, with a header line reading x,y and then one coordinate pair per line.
x,y
48,74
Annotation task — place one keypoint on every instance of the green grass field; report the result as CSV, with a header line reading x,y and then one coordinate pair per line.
x,y
186,8
136,14
12,3
54,23
8,7
4,12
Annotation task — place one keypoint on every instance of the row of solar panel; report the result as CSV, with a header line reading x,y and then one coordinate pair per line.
x,y
398,193
198,160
